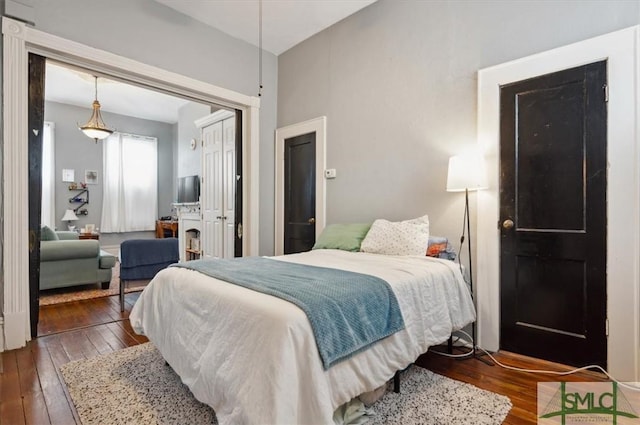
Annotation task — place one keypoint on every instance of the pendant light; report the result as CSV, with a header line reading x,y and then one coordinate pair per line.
x,y
95,128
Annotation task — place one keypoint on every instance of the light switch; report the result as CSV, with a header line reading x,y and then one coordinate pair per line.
x,y
330,173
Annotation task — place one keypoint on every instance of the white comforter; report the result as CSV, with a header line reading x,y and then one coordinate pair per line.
x,y
253,357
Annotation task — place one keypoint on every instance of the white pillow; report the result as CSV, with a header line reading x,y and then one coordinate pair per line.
x,y
410,237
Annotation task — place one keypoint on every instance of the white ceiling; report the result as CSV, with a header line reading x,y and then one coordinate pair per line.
x,y
73,87
285,23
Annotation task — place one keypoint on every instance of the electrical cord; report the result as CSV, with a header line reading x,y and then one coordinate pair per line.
x,y
464,226
456,356
541,371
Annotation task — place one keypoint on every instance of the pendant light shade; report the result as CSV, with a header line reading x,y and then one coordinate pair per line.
x,y
95,128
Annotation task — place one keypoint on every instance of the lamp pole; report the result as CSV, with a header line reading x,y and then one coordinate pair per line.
x,y
467,172
467,217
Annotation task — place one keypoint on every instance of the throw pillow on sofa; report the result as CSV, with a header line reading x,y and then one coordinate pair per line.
x,y
46,234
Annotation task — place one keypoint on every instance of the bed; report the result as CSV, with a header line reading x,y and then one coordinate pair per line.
x,y
253,357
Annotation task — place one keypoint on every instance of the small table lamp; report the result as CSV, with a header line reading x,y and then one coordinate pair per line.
x,y
467,173
69,216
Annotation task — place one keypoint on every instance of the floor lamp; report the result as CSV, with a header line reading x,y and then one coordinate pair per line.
x,y
467,173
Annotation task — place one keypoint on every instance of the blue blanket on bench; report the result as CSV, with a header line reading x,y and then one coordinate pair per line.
x,y
348,311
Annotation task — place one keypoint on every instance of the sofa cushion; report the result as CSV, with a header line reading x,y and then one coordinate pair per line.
x,y
67,235
106,260
67,250
47,234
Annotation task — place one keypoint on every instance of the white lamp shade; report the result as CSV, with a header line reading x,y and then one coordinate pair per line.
x,y
466,172
69,215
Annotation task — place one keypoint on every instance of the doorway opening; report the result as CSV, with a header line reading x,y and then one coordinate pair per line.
x,y
623,189
138,115
304,207
553,201
20,40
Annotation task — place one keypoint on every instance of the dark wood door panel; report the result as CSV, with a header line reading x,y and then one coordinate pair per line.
x,y
299,193
550,293
567,245
553,187
238,206
35,131
550,193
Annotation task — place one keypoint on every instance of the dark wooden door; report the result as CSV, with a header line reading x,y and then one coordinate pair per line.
x,y
553,176
36,129
237,243
299,193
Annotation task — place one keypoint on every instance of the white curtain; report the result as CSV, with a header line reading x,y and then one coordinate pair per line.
x,y
130,189
47,214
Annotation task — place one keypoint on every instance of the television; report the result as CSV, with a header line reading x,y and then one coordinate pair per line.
x,y
188,189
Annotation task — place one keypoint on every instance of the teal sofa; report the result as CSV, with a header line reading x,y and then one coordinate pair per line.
x,y
67,261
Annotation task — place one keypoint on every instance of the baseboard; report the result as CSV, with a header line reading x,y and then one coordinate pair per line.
x,y
14,330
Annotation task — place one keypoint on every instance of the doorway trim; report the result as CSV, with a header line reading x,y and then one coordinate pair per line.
x,y
620,49
18,41
318,126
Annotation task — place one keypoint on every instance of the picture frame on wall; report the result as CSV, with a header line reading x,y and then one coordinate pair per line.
x,y
91,176
68,175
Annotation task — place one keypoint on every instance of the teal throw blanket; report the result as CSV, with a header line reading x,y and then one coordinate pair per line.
x,y
348,311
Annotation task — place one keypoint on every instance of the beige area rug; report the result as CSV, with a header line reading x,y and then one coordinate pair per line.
x,y
135,386
92,290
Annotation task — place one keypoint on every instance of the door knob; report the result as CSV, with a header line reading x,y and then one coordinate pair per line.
x,y
507,224
312,220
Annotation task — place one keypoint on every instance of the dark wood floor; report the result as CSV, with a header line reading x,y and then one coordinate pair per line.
x,y
32,390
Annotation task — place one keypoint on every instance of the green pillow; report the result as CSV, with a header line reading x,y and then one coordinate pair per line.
x,y
46,234
346,237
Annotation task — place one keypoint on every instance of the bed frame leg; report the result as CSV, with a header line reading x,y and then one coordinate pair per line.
x,y
122,286
396,382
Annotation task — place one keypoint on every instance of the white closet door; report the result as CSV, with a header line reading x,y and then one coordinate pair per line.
x,y
229,184
212,201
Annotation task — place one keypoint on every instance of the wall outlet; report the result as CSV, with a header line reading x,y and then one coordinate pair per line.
x,y
330,173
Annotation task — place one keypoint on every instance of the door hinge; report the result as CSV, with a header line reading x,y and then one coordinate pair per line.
x,y
606,326
606,92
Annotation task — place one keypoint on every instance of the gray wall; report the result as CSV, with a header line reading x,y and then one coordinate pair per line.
x,y
189,161
76,151
397,82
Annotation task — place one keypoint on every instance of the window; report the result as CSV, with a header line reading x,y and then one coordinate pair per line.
x,y
130,192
